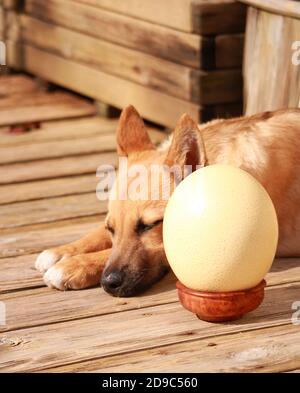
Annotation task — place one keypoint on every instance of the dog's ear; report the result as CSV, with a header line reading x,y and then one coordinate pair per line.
x,y
132,135
187,146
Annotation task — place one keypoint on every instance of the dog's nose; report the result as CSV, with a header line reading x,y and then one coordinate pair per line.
x,y
112,281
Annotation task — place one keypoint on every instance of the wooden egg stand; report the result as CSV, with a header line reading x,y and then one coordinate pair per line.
x,y
221,306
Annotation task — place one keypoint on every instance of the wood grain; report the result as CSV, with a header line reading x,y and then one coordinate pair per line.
x,y
157,40
25,307
114,59
274,349
17,84
268,42
70,129
37,151
57,130
161,75
19,273
180,14
153,105
37,237
60,208
30,191
42,106
167,324
288,7
59,167
172,13
10,279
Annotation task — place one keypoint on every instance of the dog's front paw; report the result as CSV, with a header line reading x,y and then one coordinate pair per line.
x,y
78,272
47,259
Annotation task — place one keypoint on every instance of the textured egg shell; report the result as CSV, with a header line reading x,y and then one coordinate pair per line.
x,y
220,230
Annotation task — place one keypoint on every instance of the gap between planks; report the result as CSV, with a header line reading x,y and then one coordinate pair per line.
x,y
32,239
86,144
165,324
95,302
262,350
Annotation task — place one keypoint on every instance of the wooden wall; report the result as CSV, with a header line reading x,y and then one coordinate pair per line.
x,y
271,78
165,57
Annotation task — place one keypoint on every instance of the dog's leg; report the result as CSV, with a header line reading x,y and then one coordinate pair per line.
x,y
77,272
99,239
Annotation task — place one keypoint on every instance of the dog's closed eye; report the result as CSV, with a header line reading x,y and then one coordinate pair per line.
x,y
109,228
142,227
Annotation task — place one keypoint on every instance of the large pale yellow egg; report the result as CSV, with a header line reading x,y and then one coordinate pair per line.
x,y
220,230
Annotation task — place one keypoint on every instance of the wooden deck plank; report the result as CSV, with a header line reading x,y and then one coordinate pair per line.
x,y
34,238
41,189
95,337
68,147
57,130
25,307
59,208
59,167
274,349
284,270
17,84
52,149
17,272
18,109
10,279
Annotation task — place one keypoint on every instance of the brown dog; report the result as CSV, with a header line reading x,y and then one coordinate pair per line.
x,y
129,247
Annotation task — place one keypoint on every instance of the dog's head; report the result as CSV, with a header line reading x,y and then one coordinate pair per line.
x,y
139,197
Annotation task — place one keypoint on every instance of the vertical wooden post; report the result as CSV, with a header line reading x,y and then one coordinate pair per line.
x,y
11,9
